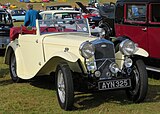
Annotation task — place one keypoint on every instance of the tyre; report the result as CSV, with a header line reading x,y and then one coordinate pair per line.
x,y
64,86
12,67
139,81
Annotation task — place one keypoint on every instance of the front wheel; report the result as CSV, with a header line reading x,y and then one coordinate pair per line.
x,y
139,81
64,86
13,68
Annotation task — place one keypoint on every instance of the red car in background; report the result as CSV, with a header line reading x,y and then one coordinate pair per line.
x,y
139,20
45,0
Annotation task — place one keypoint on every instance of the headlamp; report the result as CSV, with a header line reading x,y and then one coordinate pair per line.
x,y
87,49
127,47
114,68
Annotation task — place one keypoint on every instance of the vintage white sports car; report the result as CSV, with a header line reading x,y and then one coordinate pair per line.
x,y
67,48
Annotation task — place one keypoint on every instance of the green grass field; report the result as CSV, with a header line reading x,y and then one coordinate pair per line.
x,y
38,95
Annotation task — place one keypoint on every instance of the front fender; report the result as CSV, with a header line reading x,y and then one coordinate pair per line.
x,y
142,52
60,57
120,56
72,60
67,56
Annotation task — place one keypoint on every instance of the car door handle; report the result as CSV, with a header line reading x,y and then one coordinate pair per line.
x,y
144,29
37,41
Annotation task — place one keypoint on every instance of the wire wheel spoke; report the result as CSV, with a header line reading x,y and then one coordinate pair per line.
x,y
61,86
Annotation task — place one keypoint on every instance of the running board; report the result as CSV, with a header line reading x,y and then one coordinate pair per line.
x,y
155,69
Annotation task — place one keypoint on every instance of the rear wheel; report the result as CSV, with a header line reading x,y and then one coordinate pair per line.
x,y
64,86
13,68
139,81
106,30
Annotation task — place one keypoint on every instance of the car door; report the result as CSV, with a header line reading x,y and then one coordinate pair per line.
x,y
134,26
154,30
30,47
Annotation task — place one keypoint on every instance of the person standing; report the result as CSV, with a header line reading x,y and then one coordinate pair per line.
x,y
31,16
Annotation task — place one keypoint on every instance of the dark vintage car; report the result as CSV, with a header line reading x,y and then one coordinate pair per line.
x,y
91,13
102,16
5,25
106,12
140,21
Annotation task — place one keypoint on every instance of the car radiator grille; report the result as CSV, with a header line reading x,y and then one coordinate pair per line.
x,y
104,50
104,56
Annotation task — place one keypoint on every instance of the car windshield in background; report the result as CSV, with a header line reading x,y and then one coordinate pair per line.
x,y
61,15
63,25
18,12
66,15
4,19
58,7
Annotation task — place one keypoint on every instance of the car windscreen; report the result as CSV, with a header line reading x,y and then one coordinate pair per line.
x,y
18,12
63,25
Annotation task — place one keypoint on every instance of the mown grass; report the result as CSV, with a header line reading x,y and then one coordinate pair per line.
x,y
38,95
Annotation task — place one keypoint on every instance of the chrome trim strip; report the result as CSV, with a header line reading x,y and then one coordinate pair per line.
x,y
153,68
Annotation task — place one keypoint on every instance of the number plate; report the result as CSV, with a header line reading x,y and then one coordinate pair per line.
x,y
114,84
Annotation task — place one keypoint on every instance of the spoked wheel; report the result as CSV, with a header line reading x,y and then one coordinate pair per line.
x,y
139,81
13,68
106,30
64,86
